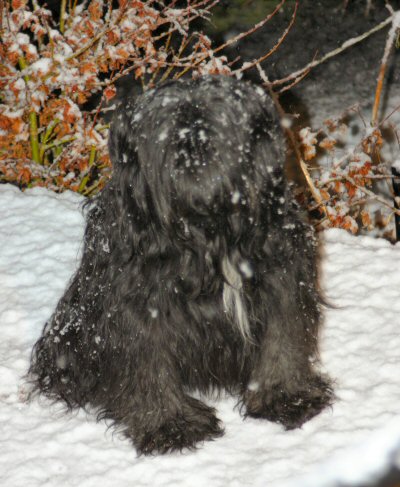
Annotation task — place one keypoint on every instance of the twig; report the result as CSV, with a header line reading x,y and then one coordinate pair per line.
x,y
338,163
340,177
155,74
62,15
235,39
371,194
102,33
58,143
346,45
250,65
368,7
295,145
46,136
85,179
390,114
122,74
388,49
33,118
89,190
88,45
295,82
184,43
187,11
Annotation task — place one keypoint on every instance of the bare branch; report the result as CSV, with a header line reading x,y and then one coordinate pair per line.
x,y
346,45
250,65
371,194
292,138
235,39
388,49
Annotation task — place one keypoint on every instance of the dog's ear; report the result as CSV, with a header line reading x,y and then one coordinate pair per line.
x,y
121,137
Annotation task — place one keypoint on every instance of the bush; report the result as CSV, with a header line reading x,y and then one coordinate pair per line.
x,y
48,135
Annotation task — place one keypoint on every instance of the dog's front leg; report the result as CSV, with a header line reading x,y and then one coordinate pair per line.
x,y
150,403
284,386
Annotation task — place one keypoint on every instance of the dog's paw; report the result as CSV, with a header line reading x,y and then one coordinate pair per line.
x,y
195,423
290,409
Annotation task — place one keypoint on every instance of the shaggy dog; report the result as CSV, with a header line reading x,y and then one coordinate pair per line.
x,y
197,274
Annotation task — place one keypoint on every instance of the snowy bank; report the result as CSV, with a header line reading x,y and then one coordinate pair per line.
x,y
40,242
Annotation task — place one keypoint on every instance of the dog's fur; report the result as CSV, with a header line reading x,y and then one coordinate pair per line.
x,y
197,273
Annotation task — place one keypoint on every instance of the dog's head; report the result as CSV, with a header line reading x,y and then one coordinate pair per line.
x,y
197,149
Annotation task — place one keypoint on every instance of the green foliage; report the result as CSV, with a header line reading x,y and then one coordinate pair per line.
x,y
243,13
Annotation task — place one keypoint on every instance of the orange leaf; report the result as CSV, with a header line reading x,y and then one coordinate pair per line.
x,y
95,10
332,126
122,53
351,190
112,37
338,187
16,125
87,68
139,72
24,175
328,143
81,98
110,92
5,123
309,152
366,219
324,194
13,57
68,116
378,137
350,224
18,4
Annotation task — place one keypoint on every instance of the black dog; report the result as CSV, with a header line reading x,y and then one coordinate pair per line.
x,y
197,273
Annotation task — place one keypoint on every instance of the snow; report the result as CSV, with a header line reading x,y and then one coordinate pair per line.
x,y
167,100
202,136
163,135
183,132
235,197
396,165
245,269
22,39
286,122
42,66
41,445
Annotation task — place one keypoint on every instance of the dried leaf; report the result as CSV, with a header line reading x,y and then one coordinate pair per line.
x,y
350,224
16,4
110,92
328,143
366,219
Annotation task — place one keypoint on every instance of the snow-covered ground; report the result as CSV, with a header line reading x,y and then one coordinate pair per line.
x,y
40,445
